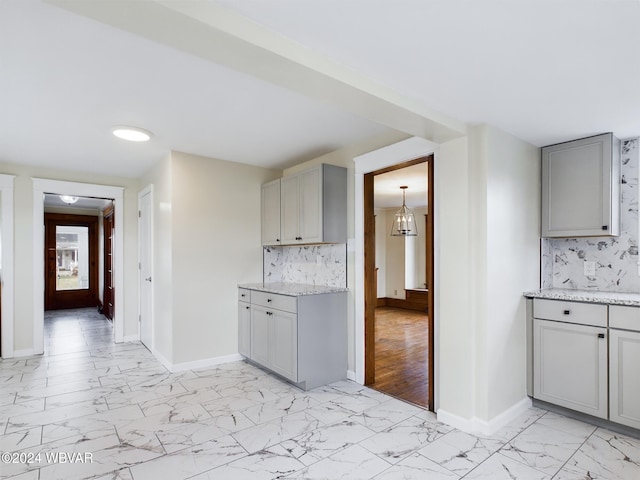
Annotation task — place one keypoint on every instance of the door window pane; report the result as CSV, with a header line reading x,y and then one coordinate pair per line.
x,y
72,257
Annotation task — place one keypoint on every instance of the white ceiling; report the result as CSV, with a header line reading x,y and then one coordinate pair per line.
x,y
544,70
85,203
387,192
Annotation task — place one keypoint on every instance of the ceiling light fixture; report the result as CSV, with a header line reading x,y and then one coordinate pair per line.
x,y
404,222
133,134
68,199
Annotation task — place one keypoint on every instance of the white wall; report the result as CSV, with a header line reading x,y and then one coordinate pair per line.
x,y
513,253
23,252
488,204
394,260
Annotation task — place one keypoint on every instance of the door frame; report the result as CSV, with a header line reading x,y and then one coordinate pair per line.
x,y
8,267
400,152
58,187
147,190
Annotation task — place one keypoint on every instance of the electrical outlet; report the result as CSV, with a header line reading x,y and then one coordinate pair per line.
x,y
590,269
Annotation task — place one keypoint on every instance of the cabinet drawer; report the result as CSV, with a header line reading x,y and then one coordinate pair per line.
x,y
570,312
627,318
273,300
244,295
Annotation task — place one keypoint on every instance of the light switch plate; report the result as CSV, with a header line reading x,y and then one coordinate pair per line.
x,y
590,269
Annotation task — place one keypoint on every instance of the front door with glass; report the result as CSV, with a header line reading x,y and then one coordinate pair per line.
x,y
71,261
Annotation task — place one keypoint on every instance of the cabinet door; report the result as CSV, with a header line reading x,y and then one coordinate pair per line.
x,y
271,213
580,188
311,205
260,336
284,346
290,210
570,366
624,380
244,329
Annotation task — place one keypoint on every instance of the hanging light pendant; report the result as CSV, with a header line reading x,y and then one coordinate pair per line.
x,y
404,223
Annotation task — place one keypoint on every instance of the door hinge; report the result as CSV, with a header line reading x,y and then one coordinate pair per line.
x,y
139,265
139,213
139,318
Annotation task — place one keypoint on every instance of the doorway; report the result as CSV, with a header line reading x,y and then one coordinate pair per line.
x,y
399,327
71,261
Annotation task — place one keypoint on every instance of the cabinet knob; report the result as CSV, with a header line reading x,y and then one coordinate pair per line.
x,y
601,335
247,307
277,240
567,312
269,313
242,295
268,300
605,227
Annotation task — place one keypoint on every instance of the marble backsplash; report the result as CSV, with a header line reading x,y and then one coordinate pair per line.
x,y
309,264
616,257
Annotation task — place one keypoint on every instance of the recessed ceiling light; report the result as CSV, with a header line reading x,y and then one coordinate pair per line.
x,y
69,199
133,134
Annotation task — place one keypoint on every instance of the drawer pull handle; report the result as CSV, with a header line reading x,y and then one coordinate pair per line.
x,y
601,335
268,300
269,313
605,227
567,312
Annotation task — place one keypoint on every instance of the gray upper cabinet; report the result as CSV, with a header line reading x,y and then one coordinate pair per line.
x,y
581,188
313,207
271,213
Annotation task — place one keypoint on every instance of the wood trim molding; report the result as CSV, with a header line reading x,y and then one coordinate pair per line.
x,y
401,303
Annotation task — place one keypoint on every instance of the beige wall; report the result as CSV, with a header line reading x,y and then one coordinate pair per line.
x,y
206,241
23,252
216,246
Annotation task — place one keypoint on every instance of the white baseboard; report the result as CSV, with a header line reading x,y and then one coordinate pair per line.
x,y
131,338
476,425
27,352
197,364
167,364
205,363
351,375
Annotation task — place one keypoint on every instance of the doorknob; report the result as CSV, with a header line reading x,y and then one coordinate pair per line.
x,y
148,279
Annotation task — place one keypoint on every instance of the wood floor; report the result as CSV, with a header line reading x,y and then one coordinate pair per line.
x,y
402,354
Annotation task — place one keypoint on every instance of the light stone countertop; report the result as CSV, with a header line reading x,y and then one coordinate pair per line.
x,y
292,289
609,298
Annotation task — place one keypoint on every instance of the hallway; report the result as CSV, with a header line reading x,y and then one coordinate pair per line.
x,y
75,330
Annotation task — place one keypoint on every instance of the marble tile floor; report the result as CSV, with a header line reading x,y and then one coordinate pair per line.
x,y
138,421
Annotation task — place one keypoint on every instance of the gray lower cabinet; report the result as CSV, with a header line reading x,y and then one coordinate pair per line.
x,y
624,359
301,338
570,369
585,357
244,321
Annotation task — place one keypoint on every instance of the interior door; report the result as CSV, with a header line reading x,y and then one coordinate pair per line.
x,y
71,261
145,229
108,291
